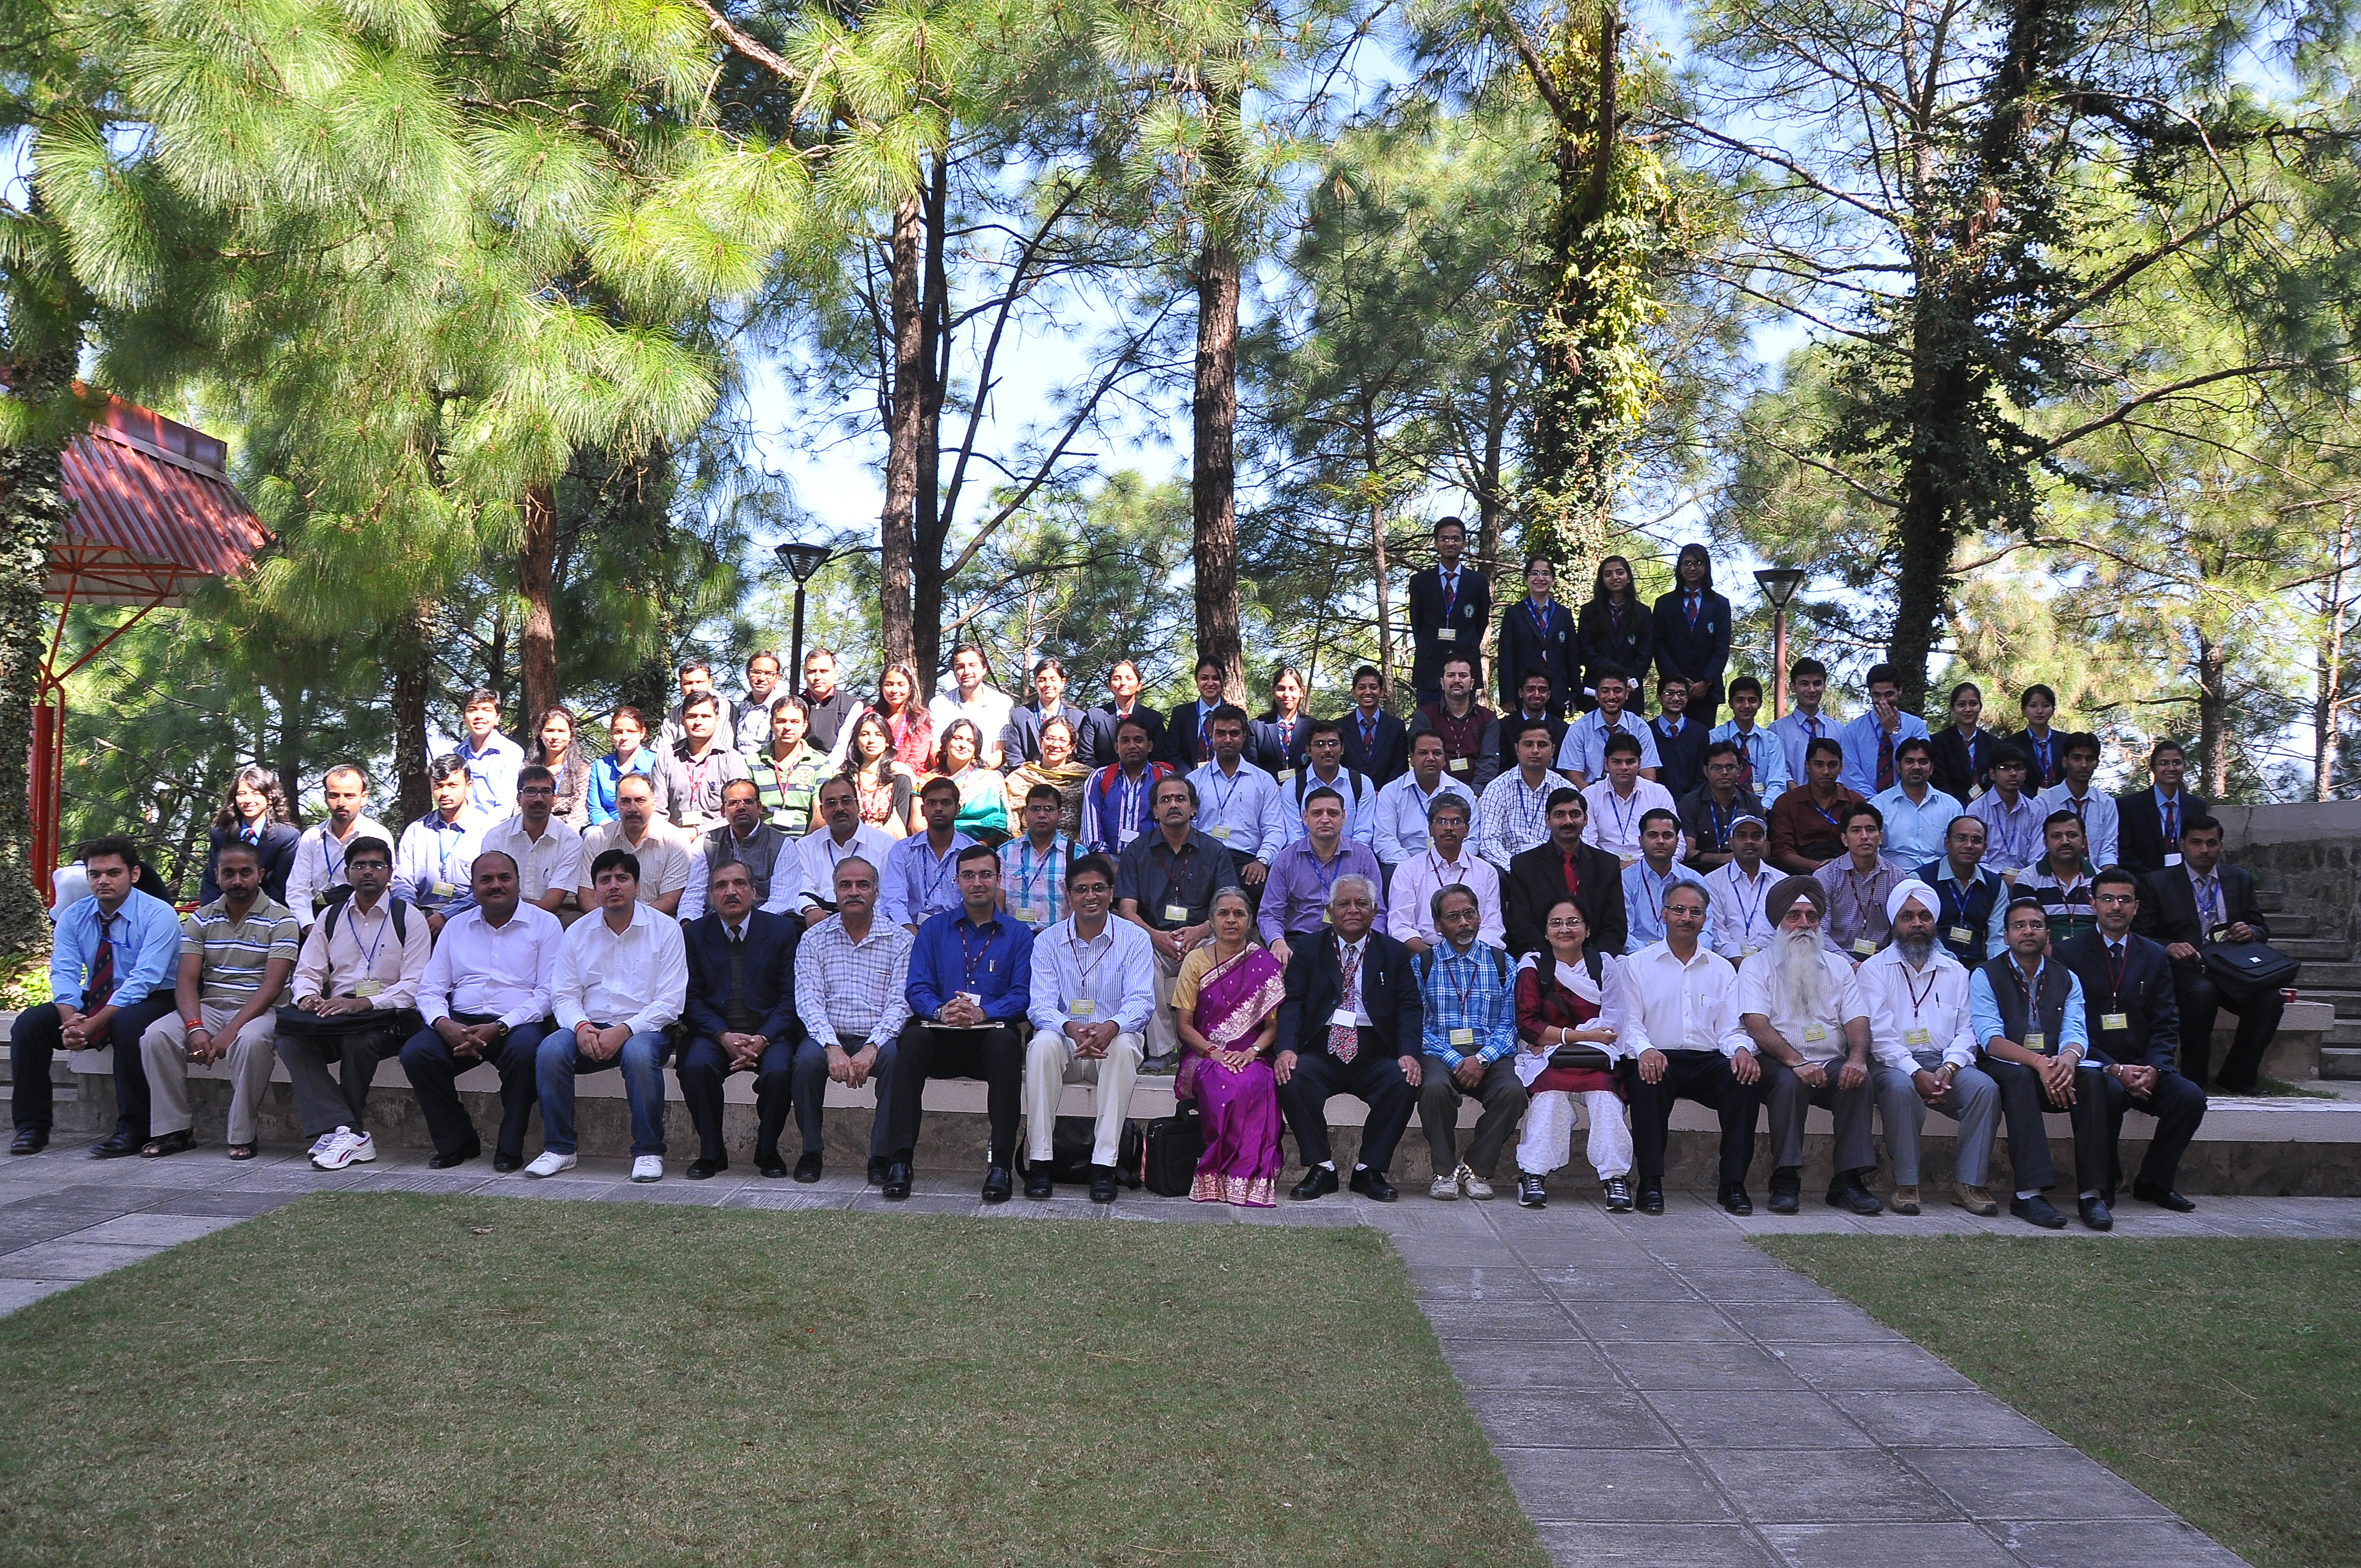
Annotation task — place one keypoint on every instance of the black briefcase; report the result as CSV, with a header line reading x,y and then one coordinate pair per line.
x,y
2241,970
1169,1153
1072,1140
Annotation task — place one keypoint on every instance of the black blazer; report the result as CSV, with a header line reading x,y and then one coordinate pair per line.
x,y
2037,778
1316,980
277,852
2145,1000
1263,749
1020,738
770,975
2167,910
1536,880
1550,648
1180,748
1956,773
1628,641
1701,654
2139,832
1681,761
1471,612
1384,761
1098,733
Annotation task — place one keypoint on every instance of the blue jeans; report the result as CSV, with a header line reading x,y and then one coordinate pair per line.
x,y
559,1061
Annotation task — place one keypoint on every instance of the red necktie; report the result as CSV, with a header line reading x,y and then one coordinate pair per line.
x,y
1573,877
1696,604
101,983
1885,760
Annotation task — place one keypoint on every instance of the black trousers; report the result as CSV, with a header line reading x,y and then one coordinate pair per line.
x,y
704,1067
2022,1102
2200,999
1373,1077
1706,1078
996,1055
2177,1106
38,1036
435,1070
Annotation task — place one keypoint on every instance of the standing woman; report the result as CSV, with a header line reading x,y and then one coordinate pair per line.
x,y
554,747
1058,769
888,791
1277,744
1537,636
984,794
627,731
1561,997
1615,629
1225,1003
254,812
1693,633
906,724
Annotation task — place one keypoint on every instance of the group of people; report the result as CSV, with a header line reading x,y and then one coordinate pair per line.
x,y
1574,914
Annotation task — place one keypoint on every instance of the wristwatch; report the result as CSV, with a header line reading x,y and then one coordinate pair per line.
x,y
500,1028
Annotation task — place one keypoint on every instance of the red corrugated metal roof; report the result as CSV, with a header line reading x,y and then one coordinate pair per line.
x,y
154,511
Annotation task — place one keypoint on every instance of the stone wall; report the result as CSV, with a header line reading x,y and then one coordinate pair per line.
x,y
2309,853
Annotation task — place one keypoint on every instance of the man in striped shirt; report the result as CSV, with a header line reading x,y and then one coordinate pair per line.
x,y
851,974
1118,800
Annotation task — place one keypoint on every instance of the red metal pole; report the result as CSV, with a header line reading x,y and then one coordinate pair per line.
x,y
1779,663
41,781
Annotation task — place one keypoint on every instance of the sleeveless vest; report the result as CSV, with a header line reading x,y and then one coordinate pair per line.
x,y
757,854
2008,990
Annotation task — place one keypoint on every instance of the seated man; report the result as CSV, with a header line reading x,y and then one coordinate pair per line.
x,y
1563,866
1470,731
1116,806
701,762
1713,809
1916,813
2101,822
971,981
1622,798
1467,993
1581,756
1512,815
1445,862
1680,1029
2011,816
1165,882
2060,879
852,974
1737,928
110,954
1352,1023
842,836
1404,804
1092,985
1808,822
1324,768
430,864
1295,897
1801,1006
235,956
548,853
638,827
1853,887
358,975
1033,864
920,878
2127,985
621,979
741,1010
1917,998
743,838
1871,740
1680,741
319,867
2027,1009
484,998
1969,895
2188,907
1763,756
1645,878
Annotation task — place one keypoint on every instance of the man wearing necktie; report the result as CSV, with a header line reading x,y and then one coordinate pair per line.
x,y
741,1013
1450,606
2135,1033
1352,1023
2149,821
2188,907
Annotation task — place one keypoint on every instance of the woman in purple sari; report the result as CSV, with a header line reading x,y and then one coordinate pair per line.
x,y
1226,1004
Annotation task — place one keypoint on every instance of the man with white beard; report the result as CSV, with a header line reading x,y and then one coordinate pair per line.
x,y
1801,1006
1926,1050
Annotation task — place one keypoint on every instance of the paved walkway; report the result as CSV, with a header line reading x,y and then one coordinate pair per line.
x,y
1660,1391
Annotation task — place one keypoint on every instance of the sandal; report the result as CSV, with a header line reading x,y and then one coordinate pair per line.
x,y
242,1151
171,1143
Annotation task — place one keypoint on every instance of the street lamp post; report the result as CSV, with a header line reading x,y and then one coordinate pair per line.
x,y
801,561
1779,585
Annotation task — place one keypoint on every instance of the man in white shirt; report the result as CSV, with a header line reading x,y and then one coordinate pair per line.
x,y
1444,861
319,867
663,859
1680,1028
744,838
2101,822
1917,814
1737,927
1093,983
620,980
548,853
1402,805
484,998
430,864
1580,756
851,972
1513,815
1238,805
1916,994
1801,1006
970,698
842,836
1619,801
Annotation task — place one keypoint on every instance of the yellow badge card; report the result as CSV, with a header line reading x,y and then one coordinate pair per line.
x,y
1177,913
369,988
1813,1033
1222,834
2036,1042
1462,1036
1962,934
1081,1007
2116,1021
1914,1038
1865,948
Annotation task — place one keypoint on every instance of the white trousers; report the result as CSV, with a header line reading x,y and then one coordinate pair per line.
x,y
1050,1064
1548,1142
164,1051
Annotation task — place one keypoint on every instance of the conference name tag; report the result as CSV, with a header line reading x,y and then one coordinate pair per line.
x,y
1081,1007
1462,1036
1223,833
2037,1041
2115,1020
1345,1018
1864,947
1750,949
2218,934
1287,777
1446,634
440,890
1028,915
1917,1039
1974,790
1177,913
369,988
1962,934
2172,859
1324,918
1457,764
1813,1033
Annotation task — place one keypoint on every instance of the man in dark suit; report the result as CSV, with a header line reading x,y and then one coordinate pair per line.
x,y
2135,1031
740,1015
1693,633
2188,907
1548,872
1020,738
1352,1023
1376,745
1450,606
1097,737
2149,821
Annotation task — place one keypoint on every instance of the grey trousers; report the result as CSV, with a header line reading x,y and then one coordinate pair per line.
x,y
1787,1101
1438,1112
164,1051
326,1102
1974,1102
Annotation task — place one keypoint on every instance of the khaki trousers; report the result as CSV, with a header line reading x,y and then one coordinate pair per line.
x,y
1050,1064
164,1051
1163,1034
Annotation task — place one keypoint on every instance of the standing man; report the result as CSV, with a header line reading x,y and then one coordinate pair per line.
x,y
1295,899
1467,994
1099,736
2012,819
1916,815
1807,825
853,970
1762,755
970,982
1238,802
1737,927
1801,1006
752,731
697,680
1020,738
828,708
921,877
492,759
237,954
1115,808
1324,768
1967,895
665,862
2096,812
1620,800
701,764
1807,683
2188,907
109,954
1870,741
621,981
1352,1023
1854,888
1376,746
1513,815
484,998
1402,805
2027,1012
319,867
2127,985
842,835
548,853
741,1010
1693,632
430,864
1450,606
1563,866
787,768
973,697
1094,985
2148,820
1033,864
1165,884
1444,861
1711,810
1470,731
1681,1027
1926,1049
743,838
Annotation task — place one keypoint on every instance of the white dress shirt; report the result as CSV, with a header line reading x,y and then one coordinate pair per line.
x,y
1401,817
552,860
1243,811
1817,1036
637,977
320,864
502,970
1735,924
818,854
1614,824
1669,1005
1112,976
1410,902
365,952
988,711
1914,1009
665,862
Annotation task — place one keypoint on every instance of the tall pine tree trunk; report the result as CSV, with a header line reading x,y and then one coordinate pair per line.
x,y
1377,553
1213,478
929,527
2213,718
904,420
33,513
537,637
412,674
2325,702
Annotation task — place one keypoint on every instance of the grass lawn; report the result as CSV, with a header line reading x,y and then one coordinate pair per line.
x,y
2223,1377
392,1379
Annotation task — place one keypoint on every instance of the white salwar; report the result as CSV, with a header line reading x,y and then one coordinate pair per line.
x,y
1547,1142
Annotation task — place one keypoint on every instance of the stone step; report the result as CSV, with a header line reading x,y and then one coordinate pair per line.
x,y
2347,1003
2331,977
2293,926
2315,951
2340,1061
2343,1032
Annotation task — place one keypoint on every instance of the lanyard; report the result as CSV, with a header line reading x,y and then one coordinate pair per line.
x,y
1028,873
1457,733
1822,813
1750,909
969,959
1334,870
369,956
450,834
935,877
329,859
1532,809
2118,959
1623,815
2209,899
1222,811
1947,893
1075,952
1134,797
1713,821
1655,903
1170,863
2031,985
1450,965
1918,997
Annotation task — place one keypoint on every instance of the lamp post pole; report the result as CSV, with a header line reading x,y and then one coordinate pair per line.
x,y
801,561
1779,585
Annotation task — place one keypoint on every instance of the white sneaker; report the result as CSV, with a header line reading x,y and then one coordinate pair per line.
x,y
549,1162
1446,1189
1475,1186
322,1142
345,1148
647,1167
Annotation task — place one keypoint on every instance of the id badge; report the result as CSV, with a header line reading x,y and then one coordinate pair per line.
x,y
1028,916
1324,918
1223,833
1287,777
1814,1034
2172,859
2218,934
1446,634
1915,1039
1462,1036
1974,790
2037,1041
1962,934
1750,949
2115,1020
1345,1018
1177,913
440,890
1457,764
369,988
1082,1007
1865,948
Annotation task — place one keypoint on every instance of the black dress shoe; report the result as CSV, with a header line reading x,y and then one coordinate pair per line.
x,y
699,1169
1652,1198
458,1156
1102,1184
2037,1210
168,1143
2096,1215
895,1181
1317,1181
1847,1192
1036,1180
1373,1185
878,1165
30,1140
2162,1196
997,1184
115,1147
507,1164
806,1168
1735,1200
1784,1199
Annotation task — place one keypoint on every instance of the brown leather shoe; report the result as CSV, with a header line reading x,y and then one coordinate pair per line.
x,y
1904,1199
1975,1200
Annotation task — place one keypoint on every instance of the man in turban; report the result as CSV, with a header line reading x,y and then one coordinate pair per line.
x,y
1925,1051
1801,1006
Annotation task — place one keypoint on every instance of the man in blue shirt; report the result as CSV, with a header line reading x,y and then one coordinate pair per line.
x,y
491,756
2033,1039
1469,1046
970,982
112,963
1870,761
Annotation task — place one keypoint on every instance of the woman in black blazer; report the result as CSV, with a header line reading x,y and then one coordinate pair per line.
x,y
1538,633
1614,628
255,810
